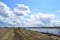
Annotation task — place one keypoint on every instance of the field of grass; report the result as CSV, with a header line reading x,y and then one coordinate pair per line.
x,y
23,34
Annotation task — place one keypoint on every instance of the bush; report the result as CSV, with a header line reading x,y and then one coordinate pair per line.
x,y
19,28
5,27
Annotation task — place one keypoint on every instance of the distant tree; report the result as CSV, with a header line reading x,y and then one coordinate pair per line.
x,y
5,27
19,28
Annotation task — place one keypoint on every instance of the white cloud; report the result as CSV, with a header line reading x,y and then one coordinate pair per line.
x,y
55,23
41,19
21,9
5,11
3,7
16,17
12,18
58,10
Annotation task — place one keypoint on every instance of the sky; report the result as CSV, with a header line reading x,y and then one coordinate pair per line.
x,y
29,13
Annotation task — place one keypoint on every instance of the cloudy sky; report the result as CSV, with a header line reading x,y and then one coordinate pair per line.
x,y
29,13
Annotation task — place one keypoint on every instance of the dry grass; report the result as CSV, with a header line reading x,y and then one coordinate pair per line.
x,y
22,34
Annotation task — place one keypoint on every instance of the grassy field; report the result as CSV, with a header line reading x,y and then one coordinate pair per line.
x,y
22,34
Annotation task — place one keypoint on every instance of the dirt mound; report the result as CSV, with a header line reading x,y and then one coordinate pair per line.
x,y
22,34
